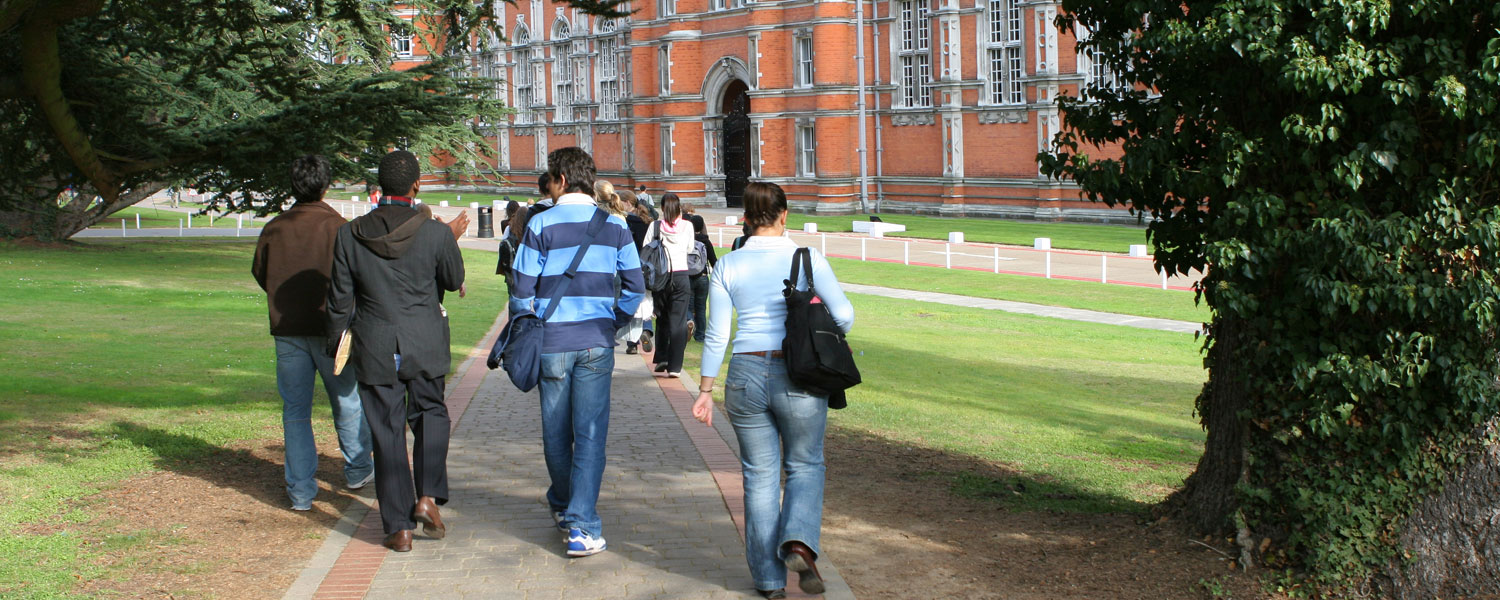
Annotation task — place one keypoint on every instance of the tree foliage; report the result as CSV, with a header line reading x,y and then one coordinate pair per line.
x,y
1331,165
119,98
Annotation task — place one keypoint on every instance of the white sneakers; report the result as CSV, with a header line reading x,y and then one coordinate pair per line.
x,y
583,544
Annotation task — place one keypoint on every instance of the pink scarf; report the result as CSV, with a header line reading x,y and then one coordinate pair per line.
x,y
670,227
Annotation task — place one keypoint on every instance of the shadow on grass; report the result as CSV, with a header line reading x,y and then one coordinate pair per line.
x,y
229,468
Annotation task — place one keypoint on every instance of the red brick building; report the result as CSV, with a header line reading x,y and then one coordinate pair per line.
x,y
700,96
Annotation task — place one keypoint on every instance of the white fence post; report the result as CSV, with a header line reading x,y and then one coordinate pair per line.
x,y
721,236
179,228
1163,280
824,249
1103,268
861,249
122,227
1049,264
947,256
997,259
906,252
137,220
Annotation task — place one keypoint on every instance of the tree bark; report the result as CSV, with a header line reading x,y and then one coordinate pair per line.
x,y
1450,546
45,221
1207,500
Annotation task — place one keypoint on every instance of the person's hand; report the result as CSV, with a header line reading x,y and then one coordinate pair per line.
x,y
459,224
703,408
463,290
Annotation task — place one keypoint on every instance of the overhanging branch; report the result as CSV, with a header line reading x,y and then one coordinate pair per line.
x,y
41,71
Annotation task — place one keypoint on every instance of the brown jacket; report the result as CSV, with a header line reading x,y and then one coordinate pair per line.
x,y
293,258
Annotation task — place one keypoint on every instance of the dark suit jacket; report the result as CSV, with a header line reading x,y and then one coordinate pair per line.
x,y
390,268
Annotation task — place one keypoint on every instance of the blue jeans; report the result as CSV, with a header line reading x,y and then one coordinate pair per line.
x,y
298,359
575,425
769,414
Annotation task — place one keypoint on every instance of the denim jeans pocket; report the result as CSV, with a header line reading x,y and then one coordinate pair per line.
x,y
554,366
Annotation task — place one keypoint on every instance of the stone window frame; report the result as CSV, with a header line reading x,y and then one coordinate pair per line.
x,y
666,143
911,48
806,147
1002,53
803,50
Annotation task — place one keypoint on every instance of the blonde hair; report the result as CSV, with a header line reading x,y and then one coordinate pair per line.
x,y
608,198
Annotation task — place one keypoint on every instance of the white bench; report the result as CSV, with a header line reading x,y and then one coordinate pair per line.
x,y
873,226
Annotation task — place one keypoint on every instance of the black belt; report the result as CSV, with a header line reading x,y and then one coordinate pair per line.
x,y
764,353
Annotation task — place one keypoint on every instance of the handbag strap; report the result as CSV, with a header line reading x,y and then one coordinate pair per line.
x,y
595,224
801,258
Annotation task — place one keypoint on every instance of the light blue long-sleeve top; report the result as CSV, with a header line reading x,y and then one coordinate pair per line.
x,y
749,282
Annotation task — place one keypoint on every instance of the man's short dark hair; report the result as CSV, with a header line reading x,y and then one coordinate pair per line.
x,y
544,182
642,188
575,166
399,171
310,176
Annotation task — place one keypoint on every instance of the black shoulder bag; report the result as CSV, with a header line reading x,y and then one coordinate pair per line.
x,y
818,358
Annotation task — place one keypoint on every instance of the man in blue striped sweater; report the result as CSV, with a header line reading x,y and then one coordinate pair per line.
x,y
578,357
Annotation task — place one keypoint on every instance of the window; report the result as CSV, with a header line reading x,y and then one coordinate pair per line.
x,y
1003,53
754,56
666,150
401,39
913,53
666,8
664,69
609,79
807,164
755,148
712,134
562,77
803,54
1094,63
525,87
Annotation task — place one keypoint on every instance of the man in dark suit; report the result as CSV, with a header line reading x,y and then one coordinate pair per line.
x,y
390,268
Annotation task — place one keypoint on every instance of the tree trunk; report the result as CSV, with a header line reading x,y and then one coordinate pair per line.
x,y
43,220
1207,499
1450,546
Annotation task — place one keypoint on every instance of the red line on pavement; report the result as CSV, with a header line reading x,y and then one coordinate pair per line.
x,y
355,569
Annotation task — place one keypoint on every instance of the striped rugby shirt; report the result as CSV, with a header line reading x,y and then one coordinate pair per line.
x,y
589,314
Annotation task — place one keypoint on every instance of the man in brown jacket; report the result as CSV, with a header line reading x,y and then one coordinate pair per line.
x,y
293,259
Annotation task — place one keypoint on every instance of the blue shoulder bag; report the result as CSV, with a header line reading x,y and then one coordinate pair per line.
x,y
519,347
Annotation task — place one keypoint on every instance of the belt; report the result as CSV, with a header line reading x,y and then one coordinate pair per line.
x,y
764,353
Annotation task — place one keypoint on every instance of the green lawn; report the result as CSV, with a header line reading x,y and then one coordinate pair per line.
x,y
1073,236
1092,417
124,358
1122,299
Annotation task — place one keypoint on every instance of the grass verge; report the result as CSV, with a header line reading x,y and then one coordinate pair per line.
x,y
1072,236
122,357
1090,418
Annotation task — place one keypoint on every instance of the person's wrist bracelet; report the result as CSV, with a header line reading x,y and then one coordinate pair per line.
x,y
707,391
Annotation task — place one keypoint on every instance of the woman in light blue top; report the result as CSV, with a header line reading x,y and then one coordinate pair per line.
x,y
768,411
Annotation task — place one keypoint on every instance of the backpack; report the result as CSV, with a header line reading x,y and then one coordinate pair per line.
x,y
697,259
507,257
818,358
656,266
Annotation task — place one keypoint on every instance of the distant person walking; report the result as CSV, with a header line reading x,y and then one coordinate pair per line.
x,y
293,260
390,269
698,282
577,356
672,303
637,336
779,426
640,194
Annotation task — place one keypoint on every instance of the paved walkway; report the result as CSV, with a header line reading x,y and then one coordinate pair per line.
x,y
671,502
1040,310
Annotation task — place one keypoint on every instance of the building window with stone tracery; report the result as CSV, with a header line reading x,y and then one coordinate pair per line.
x,y
807,159
609,75
666,150
914,53
562,78
664,68
401,39
803,54
1003,53
525,87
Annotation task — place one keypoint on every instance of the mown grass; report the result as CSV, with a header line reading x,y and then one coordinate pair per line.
x,y
1092,418
1072,236
123,357
158,218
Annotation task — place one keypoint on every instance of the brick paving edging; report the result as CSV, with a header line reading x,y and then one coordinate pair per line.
x,y
356,566
724,464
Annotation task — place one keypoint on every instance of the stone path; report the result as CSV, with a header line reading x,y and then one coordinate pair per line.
x,y
1041,310
671,504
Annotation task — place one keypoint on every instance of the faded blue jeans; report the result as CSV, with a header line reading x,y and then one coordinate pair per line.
x,y
298,360
575,426
769,413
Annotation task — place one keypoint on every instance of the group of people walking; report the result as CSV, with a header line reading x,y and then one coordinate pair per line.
x,y
382,277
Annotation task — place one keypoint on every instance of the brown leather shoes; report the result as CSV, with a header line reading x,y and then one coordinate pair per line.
x,y
799,558
399,541
427,514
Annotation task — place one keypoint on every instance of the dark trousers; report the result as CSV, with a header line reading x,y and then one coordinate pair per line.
x,y
672,306
699,285
388,410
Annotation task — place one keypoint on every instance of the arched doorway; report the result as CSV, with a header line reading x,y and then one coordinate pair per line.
x,y
735,106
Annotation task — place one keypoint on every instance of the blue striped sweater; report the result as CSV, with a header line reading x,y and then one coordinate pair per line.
x,y
589,314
